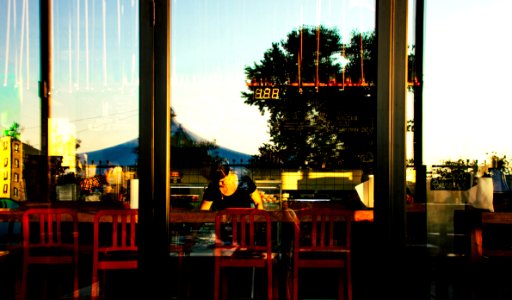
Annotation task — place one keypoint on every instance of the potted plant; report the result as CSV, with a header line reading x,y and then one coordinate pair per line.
x,y
500,173
500,163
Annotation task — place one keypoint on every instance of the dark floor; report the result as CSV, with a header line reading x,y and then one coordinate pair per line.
x,y
421,277
416,275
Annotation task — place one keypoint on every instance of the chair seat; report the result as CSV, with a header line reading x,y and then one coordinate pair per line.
x,y
241,252
242,257
248,253
118,255
65,250
321,263
322,255
117,265
51,260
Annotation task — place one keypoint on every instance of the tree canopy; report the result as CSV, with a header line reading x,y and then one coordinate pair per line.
x,y
186,151
320,97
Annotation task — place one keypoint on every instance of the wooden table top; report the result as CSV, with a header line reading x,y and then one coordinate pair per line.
x,y
86,214
282,215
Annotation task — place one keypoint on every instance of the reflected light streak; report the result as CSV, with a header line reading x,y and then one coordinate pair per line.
x,y
16,69
119,50
52,42
86,44
119,25
104,30
22,40
70,61
15,32
14,16
8,29
27,48
77,43
135,42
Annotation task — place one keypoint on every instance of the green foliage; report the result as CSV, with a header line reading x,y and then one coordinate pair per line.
x,y
304,123
13,131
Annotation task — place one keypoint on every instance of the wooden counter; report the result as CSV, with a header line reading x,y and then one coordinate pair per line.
x,y
184,215
284,215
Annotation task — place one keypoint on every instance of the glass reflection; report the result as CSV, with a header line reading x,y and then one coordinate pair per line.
x,y
19,93
285,89
93,121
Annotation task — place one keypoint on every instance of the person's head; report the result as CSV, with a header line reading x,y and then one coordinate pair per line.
x,y
221,175
219,169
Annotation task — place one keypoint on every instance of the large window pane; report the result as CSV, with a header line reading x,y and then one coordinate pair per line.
x,y
465,113
93,108
284,90
465,108
94,115
292,83
20,108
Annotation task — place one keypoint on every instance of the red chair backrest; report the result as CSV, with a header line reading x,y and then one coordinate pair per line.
x,y
121,227
323,229
55,228
250,228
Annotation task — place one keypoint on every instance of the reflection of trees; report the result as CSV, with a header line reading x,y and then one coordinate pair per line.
x,y
187,152
324,116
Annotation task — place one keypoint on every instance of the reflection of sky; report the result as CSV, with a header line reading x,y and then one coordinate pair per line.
x,y
214,40
19,67
95,69
96,87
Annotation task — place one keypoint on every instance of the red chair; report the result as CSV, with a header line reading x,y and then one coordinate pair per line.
x,y
243,240
115,245
322,239
50,237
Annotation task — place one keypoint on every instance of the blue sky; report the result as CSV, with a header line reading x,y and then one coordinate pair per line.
x,y
466,104
95,69
214,40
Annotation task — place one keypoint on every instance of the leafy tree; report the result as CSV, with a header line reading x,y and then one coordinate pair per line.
x,y
14,131
312,123
187,152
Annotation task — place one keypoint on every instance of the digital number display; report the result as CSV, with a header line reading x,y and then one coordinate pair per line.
x,y
266,93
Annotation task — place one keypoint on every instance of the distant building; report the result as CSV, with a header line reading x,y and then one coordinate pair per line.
x,y
11,169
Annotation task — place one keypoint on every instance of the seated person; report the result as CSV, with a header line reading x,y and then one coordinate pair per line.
x,y
227,190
